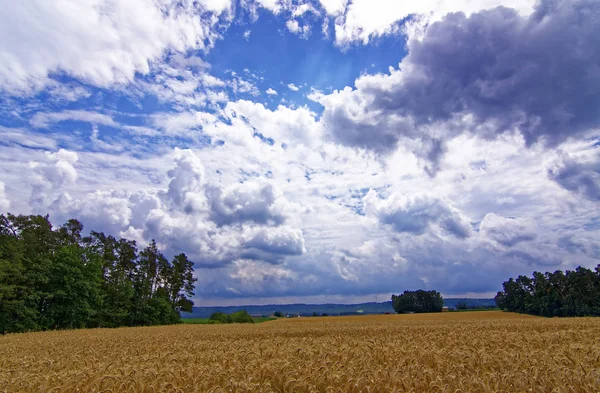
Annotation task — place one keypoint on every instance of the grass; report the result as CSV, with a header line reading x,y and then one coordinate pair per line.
x,y
483,351
206,321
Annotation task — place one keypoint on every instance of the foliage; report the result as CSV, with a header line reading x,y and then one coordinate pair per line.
x,y
58,279
241,316
278,314
418,301
436,352
574,293
220,317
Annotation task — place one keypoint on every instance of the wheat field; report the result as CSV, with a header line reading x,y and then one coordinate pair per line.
x,y
447,352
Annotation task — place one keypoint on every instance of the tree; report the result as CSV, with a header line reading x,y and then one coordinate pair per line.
x,y
220,317
60,279
278,314
180,283
418,301
462,305
570,293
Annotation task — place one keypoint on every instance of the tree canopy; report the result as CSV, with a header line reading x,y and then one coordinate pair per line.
x,y
418,301
573,293
59,279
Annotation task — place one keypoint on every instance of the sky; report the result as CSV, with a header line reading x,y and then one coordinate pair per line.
x,y
314,150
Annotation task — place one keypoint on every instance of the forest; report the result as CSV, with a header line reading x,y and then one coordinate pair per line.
x,y
574,293
56,278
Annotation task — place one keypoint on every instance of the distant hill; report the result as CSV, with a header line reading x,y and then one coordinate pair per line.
x,y
329,309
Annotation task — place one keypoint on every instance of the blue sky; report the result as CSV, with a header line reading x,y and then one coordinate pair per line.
x,y
312,151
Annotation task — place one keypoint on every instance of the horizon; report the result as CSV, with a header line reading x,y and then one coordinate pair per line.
x,y
300,150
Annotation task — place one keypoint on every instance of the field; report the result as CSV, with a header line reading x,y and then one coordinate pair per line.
x,y
450,352
206,321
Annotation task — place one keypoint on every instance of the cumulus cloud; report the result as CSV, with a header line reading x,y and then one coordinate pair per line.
x,y
98,42
580,175
186,187
415,214
272,244
56,174
284,125
293,87
215,225
257,201
364,20
272,92
333,7
487,74
506,231
294,27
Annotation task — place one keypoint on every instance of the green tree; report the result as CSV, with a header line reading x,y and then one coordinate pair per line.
x,y
59,279
418,301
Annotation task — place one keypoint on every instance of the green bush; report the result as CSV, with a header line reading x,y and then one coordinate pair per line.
x,y
220,317
241,317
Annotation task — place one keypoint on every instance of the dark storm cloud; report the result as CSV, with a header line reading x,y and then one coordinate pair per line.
x,y
489,73
582,178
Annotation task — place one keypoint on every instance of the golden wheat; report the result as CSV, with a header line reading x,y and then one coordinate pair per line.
x,y
448,352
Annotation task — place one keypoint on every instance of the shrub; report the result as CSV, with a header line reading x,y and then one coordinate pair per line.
x,y
241,317
220,317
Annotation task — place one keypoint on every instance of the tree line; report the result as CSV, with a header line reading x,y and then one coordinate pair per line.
x,y
573,293
59,279
418,302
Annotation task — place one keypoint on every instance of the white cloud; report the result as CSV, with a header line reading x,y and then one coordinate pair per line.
x,y
293,87
334,7
99,42
303,9
53,176
294,27
217,6
367,19
43,120
272,92
4,202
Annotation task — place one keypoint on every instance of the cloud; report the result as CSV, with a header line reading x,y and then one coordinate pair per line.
x,y
217,6
99,42
186,187
580,175
283,125
507,231
258,201
44,120
272,92
215,225
416,214
273,244
366,19
293,87
4,201
487,74
240,85
333,7
53,176
294,27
